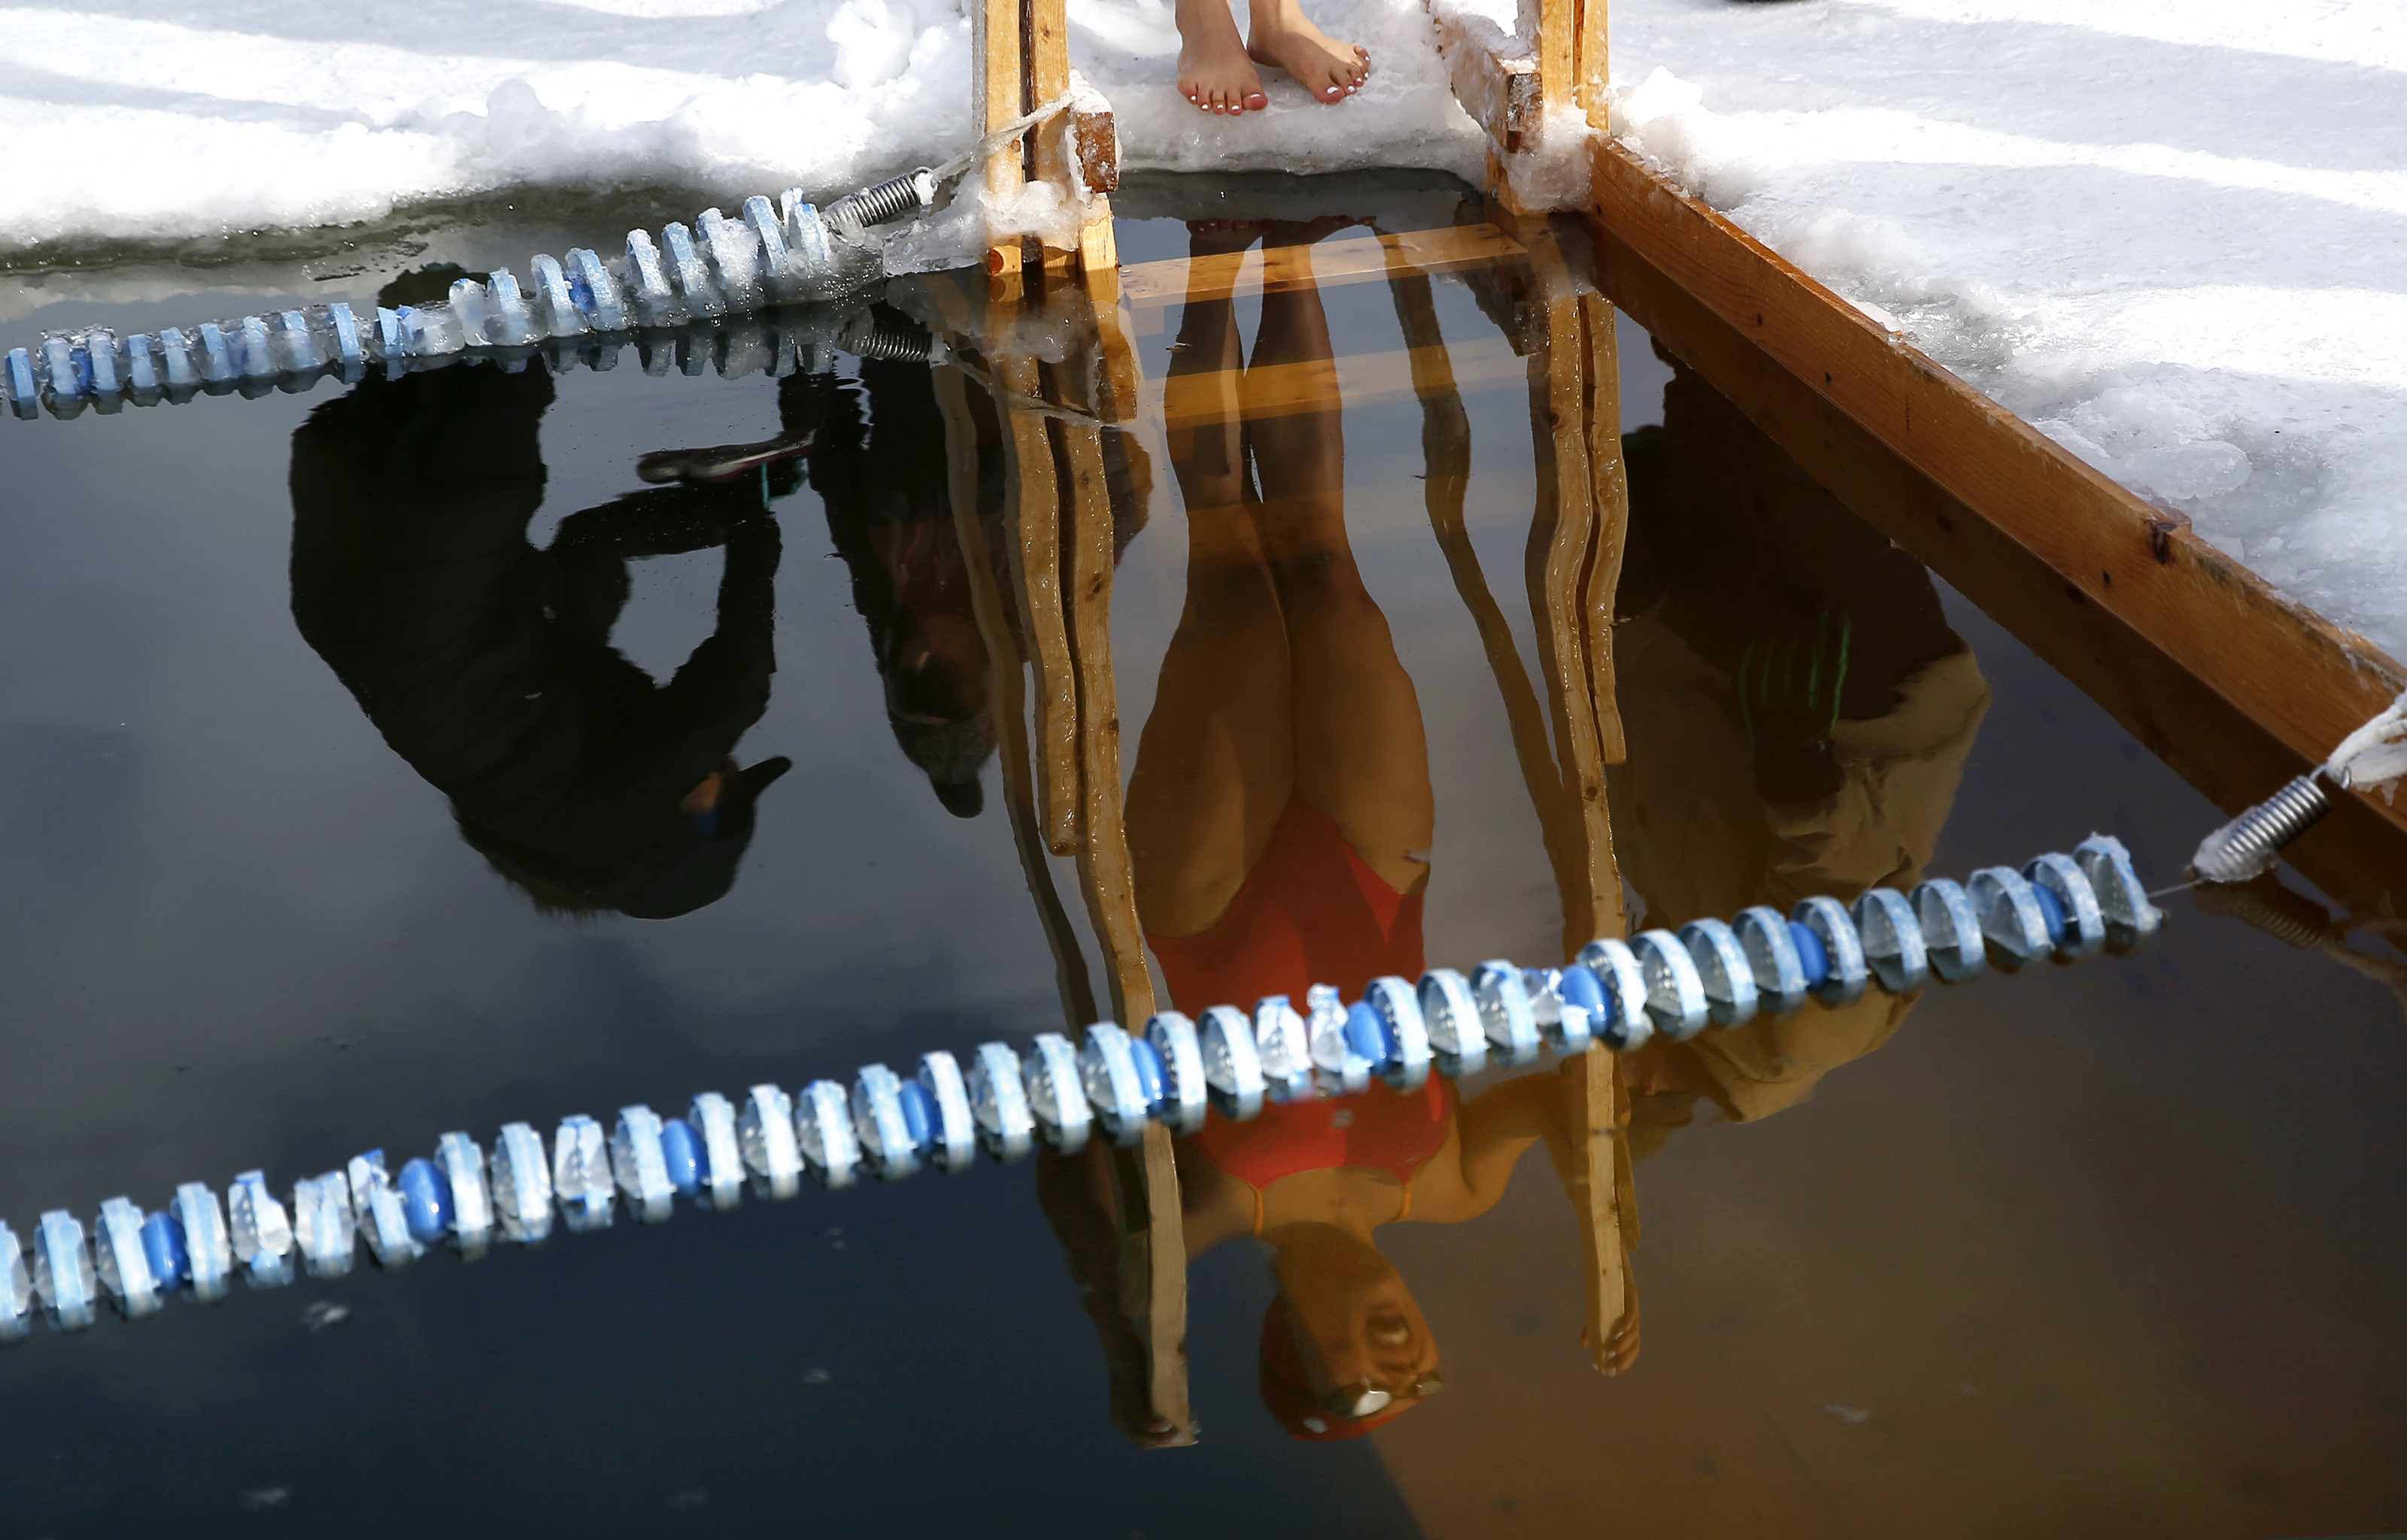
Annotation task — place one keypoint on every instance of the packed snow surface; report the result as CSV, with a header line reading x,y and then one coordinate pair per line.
x,y
2174,236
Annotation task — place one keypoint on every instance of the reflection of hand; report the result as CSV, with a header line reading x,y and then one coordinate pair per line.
x,y
1789,688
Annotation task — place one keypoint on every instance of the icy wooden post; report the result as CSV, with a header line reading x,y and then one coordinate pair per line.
x,y
1000,86
1022,57
1553,58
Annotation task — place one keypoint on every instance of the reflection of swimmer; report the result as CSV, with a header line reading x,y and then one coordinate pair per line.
x,y
1798,714
883,478
487,663
1278,816
890,514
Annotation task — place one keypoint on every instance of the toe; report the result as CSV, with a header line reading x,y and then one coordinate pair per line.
x,y
1258,101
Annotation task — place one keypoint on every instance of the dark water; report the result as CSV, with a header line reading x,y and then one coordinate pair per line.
x,y
2094,1251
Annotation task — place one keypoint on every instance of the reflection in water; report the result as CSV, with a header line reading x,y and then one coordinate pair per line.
x,y
487,662
889,515
1798,714
1278,817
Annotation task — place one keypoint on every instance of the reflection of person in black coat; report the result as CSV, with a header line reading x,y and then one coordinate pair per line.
x,y
487,663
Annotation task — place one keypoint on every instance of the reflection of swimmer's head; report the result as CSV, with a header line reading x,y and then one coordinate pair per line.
x,y
691,863
1345,1346
935,671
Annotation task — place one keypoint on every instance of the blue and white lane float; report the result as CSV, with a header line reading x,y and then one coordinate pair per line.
x,y
941,1114
789,252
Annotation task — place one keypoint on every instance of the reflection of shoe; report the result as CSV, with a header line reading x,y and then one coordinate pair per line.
x,y
723,462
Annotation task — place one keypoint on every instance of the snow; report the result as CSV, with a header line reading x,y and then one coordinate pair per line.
x,y
2173,236
157,121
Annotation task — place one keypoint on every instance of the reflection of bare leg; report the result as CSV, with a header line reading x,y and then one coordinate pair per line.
x,y
1361,758
1212,765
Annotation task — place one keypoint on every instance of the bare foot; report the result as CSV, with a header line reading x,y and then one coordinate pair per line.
x,y
1213,70
1286,39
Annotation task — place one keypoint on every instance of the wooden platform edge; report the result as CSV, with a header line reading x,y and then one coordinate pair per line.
x,y
2307,681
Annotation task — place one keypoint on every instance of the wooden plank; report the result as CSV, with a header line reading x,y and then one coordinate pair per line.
x,y
1034,487
1096,136
1007,699
1151,286
2356,855
1590,78
1445,456
1106,874
1495,76
1601,1192
997,88
1609,491
1153,1275
2308,682
1283,390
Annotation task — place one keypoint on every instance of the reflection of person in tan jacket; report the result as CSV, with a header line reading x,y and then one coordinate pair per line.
x,y
1798,714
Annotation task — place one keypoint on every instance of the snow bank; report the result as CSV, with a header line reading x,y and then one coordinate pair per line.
x,y
165,120
2174,236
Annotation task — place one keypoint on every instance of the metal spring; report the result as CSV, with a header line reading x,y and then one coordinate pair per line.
x,y
2245,847
2291,918
866,339
890,200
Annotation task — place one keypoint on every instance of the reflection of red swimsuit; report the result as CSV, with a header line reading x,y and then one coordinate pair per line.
x,y
1310,911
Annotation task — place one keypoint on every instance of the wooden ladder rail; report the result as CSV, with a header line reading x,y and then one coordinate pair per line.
x,y
1020,61
1063,778
1577,534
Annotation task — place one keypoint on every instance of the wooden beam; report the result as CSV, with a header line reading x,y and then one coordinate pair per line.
x,y
997,86
1151,287
1033,482
2356,855
1007,697
1282,389
1609,491
2307,682
1495,76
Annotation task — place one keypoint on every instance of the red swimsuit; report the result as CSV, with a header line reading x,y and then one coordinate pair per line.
x,y
1310,911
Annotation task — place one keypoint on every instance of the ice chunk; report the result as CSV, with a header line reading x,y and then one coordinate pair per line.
x,y
62,1271
462,1161
66,382
823,1133
734,252
510,324
142,364
124,1266
324,1227
215,354
382,1215
472,310
722,1165
261,1231
595,291
555,308
766,1132
656,304
15,1288
522,1177
207,1243
639,1167
580,1172
701,297
299,349
100,351
258,351
432,333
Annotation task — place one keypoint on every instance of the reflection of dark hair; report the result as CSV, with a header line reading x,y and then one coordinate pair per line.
x,y
888,472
